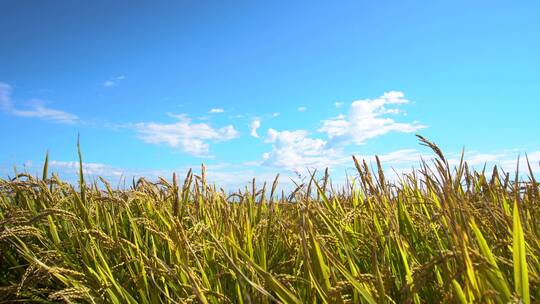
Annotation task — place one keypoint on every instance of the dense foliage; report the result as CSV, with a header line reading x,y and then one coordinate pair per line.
x,y
439,234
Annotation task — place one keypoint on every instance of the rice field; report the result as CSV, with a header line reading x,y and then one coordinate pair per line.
x,y
440,234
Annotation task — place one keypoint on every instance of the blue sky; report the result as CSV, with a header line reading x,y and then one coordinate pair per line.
x,y
254,88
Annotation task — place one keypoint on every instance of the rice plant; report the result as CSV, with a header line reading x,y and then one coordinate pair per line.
x,y
439,234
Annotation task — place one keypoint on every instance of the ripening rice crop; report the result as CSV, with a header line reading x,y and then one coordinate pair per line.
x,y
440,234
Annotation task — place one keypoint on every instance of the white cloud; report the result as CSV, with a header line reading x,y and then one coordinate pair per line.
x,y
113,82
401,156
39,110
338,104
232,176
302,109
275,114
295,150
506,160
229,176
189,137
36,108
216,110
98,169
366,119
254,125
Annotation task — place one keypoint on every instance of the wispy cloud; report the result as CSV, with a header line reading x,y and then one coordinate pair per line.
x,y
302,109
253,126
230,176
216,110
190,137
506,160
338,104
5,98
35,108
368,118
88,168
113,82
233,176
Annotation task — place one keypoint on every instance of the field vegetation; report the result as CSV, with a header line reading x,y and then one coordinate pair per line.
x,y
440,234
